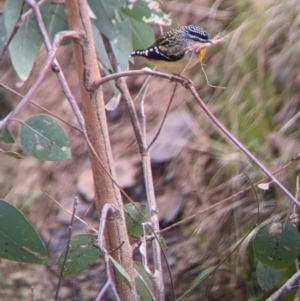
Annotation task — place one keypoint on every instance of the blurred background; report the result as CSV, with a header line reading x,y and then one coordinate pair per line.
x,y
253,88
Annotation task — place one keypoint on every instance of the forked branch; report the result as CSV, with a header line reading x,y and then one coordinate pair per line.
x,y
189,85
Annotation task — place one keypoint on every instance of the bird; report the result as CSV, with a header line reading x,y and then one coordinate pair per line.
x,y
177,50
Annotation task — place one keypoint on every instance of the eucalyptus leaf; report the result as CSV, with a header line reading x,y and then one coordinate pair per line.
x,y
101,51
14,155
6,136
134,219
142,11
2,33
43,138
106,16
58,21
277,245
121,44
144,284
18,239
267,277
25,45
82,254
120,270
141,34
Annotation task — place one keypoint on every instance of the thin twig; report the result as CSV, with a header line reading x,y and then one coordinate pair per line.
x,y
143,115
189,85
22,17
145,84
75,203
144,71
285,288
256,198
166,260
103,290
57,40
107,208
148,179
13,32
289,123
207,81
55,65
32,293
240,145
218,265
68,211
234,249
42,108
164,117
121,85
222,201
51,54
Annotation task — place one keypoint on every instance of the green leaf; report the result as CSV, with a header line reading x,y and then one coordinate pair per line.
x,y
2,33
140,14
82,254
25,45
141,34
45,12
14,155
145,284
18,239
106,16
134,219
121,45
42,137
142,11
106,67
58,21
120,270
277,245
101,51
267,277
6,136
117,31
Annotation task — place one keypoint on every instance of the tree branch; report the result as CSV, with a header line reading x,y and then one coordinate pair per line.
x,y
51,55
106,192
285,288
148,179
189,85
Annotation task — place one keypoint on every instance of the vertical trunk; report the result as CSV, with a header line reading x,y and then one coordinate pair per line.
x,y
106,191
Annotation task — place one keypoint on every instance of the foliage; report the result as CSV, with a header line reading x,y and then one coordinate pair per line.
x,y
267,278
134,218
42,137
123,23
82,254
277,245
18,239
